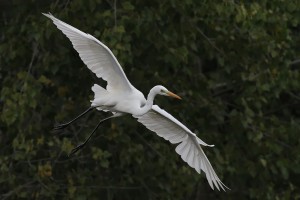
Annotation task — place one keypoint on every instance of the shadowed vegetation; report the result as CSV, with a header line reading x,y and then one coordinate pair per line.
x,y
235,63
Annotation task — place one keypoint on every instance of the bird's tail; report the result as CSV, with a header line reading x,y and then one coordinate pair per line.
x,y
100,95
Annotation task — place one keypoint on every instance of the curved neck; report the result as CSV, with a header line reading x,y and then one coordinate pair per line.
x,y
149,102
151,96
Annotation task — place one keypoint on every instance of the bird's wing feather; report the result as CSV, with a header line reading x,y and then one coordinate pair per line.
x,y
166,126
98,57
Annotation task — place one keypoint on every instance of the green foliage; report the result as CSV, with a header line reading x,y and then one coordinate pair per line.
x,y
229,60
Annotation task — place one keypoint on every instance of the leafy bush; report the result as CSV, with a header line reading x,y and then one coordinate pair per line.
x,y
233,62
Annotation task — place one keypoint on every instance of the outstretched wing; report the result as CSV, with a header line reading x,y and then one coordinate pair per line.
x,y
98,57
166,126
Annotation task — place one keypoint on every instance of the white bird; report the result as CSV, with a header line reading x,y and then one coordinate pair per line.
x,y
120,97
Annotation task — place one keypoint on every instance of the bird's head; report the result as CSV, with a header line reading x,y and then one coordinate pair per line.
x,y
161,90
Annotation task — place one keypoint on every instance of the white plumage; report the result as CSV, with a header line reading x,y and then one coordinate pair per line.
x,y
97,57
169,128
120,97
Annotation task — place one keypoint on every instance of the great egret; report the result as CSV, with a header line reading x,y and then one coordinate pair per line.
x,y
120,97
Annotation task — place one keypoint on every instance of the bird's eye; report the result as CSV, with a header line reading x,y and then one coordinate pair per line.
x,y
161,90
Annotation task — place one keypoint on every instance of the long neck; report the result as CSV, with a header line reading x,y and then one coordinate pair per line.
x,y
149,102
150,97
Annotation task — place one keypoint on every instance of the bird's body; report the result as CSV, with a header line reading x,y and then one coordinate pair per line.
x,y
120,97
131,102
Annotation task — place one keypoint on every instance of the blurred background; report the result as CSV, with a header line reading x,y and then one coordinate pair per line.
x,y
235,63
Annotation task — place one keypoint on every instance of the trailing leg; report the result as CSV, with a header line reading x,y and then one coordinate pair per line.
x,y
86,141
62,126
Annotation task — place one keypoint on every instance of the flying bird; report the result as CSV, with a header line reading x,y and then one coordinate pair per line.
x,y
120,97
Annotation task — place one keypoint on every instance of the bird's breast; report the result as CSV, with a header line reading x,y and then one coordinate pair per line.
x,y
131,103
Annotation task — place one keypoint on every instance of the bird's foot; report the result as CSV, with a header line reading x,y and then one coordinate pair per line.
x,y
58,129
76,149
60,126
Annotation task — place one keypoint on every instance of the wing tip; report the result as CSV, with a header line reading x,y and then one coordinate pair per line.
x,y
218,184
48,14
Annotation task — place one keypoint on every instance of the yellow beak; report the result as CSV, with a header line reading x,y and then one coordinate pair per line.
x,y
171,94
